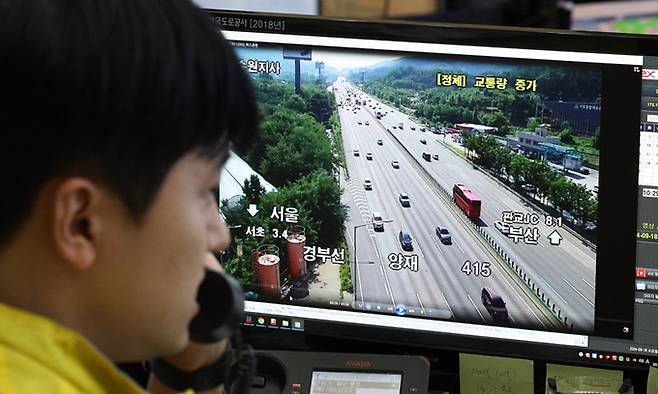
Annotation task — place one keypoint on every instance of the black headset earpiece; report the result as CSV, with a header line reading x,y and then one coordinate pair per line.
x,y
221,308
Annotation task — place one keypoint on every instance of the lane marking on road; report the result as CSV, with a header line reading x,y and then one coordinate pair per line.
x,y
588,284
555,292
476,308
421,303
579,293
437,246
381,271
447,303
459,246
519,297
388,285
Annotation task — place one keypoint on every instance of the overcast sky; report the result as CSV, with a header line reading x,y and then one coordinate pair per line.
x,y
341,60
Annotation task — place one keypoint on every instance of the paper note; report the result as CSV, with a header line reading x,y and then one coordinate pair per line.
x,y
652,383
577,379
495,375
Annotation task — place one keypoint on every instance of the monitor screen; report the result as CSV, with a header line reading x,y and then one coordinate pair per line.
x,y
635,16
355,382
463,187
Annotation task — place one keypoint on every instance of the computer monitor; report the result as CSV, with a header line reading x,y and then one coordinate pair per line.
x,y
636,16
470,188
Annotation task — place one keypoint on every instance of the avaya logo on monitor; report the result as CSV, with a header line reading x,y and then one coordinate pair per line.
x,y
358,364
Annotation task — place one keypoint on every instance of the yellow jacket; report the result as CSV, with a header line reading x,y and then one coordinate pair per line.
x,y
38,355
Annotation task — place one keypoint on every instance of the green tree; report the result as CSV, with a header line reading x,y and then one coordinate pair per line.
x,y
496,119
532,124
546,179
239,263
252,189
518,169
559,194
295,103
581,199
317,194
502,158
320,101
566,137
304,150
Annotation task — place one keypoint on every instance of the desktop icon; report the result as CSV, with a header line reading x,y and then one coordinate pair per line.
x,y
261,320
285,323
621,358
641,272
401,310
594,355
249,319
640,286
273,321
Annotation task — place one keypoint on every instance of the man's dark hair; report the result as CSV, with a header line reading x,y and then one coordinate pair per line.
x,y
114,90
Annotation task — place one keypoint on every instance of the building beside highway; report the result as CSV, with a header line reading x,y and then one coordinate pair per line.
x,y
477,128
530,142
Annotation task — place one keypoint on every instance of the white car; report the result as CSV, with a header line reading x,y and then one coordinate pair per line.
x,y
367,123
502,227
356,152
395,164
367,184
377,221
369,156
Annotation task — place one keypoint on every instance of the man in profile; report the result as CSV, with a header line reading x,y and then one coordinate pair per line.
x,y
116,117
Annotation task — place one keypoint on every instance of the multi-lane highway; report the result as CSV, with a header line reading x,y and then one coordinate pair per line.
x,y
566,273
439,284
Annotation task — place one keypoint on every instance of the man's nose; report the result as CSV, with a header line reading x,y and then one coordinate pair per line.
x,y
219,236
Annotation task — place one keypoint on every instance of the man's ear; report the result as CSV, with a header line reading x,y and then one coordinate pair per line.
x,y
76,221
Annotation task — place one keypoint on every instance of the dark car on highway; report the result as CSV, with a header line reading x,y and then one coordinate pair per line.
x,y
405,240
494,304
404,200
443,234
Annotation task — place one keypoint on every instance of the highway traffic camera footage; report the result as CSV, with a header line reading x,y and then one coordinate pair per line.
x,y
425,186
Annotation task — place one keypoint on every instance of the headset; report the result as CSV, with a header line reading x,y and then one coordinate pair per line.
x,y
221,310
